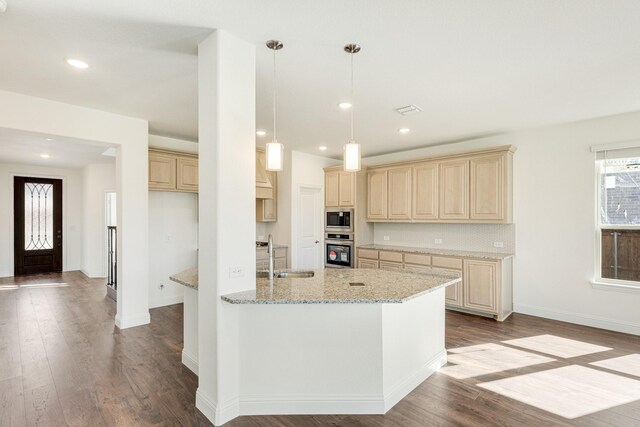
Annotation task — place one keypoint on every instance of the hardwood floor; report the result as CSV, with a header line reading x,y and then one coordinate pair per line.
x,y
63,362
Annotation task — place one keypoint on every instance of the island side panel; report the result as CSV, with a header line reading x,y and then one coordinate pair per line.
x,y
190,324
413,343
310,359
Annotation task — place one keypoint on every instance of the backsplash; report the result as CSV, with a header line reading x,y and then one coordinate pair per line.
x,y
468,237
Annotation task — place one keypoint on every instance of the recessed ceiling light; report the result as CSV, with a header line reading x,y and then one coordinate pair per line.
x,y
404,130
77,63
344,105
44,156
48,139
322,148
261,133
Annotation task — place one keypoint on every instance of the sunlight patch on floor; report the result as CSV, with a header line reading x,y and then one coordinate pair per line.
x,y
570,392
484,359
556,346
629,364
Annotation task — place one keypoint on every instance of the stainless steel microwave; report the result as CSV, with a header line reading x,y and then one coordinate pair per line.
x,y
336,219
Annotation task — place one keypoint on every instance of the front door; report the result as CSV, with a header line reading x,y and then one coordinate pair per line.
x,y
37,225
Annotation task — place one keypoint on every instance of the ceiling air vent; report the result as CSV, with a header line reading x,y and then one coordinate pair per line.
x,y
409,109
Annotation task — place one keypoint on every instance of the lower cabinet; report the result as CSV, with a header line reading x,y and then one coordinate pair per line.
x,y
279,259
485,289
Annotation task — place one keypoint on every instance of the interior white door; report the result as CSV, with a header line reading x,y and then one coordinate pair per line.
x,y
310,226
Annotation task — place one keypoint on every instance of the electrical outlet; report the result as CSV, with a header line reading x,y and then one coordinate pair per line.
x,y
438,241
260,238
498,244
236,271
385,237
161,286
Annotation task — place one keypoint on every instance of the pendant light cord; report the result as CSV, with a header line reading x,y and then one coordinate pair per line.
x,y
274,96
352,101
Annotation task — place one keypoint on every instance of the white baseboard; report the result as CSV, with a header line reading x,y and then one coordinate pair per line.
x,y
580,319
133,321
190,362
218,416
406,386
168,300
93,275
304,405
6,274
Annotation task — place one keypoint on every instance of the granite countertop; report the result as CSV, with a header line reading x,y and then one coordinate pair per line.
x,y
435,251
187,278
331,286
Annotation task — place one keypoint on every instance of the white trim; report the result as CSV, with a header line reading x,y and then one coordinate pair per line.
x,y
190,361
133,321
92,276
615,287
580,319
164,301
6,274
620,145
406,386
217,416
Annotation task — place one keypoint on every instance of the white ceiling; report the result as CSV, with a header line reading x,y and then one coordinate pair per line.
x,y
26,148
475,68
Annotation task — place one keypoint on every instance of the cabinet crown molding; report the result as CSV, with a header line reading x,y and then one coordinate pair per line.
x,y
172,153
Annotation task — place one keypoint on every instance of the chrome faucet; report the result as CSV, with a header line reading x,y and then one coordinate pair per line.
x,y
270,252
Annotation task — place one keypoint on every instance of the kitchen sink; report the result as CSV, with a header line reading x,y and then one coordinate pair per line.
x,y
286,274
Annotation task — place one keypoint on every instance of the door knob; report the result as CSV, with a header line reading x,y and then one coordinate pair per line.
x,y
317,241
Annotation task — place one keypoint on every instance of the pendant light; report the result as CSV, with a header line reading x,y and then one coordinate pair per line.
x,y
351,149
274,150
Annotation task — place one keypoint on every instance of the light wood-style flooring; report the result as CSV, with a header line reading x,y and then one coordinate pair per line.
x,y
63,362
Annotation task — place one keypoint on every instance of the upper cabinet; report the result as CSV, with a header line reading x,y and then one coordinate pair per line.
x,y
454,189
264,186
266,190
339,189
171,171
471,187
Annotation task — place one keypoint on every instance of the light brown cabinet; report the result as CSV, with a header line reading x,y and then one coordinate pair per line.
x,y
489,187
377,194
454,189
339,189
485,288
280,258
267,209
264,186
425,191
471,187
171,171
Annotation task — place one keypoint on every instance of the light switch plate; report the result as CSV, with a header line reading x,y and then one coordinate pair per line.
x,y
385,237
498,244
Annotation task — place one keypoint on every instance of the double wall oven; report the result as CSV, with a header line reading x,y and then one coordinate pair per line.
x,y
339,250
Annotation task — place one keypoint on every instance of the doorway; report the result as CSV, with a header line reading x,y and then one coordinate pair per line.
x,y
37,225
310,228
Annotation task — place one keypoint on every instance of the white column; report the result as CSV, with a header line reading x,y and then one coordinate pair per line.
x,y
226,97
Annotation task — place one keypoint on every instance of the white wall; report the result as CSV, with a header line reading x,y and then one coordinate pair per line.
x,y
555,217
98,179
173,144
72,205
173,243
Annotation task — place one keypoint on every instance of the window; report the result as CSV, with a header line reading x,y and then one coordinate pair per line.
x,y
619,217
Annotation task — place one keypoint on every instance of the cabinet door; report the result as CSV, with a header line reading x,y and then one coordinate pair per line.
x,y
480,285
377,197
187,174
425,191
452,293
331,189
454,189
162,172
488,187
367,263
387,265
399,193
267,209
347,189
279,263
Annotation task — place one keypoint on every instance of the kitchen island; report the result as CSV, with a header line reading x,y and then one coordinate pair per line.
x,y
345,341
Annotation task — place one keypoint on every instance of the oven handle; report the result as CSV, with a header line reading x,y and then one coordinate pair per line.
x,y
338,242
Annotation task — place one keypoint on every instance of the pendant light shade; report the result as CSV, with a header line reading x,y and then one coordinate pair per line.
x,y
351,157
274,150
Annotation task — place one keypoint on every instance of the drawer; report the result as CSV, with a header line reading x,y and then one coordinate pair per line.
x,y
387,265
367,263
417,259
418,268
446,262
367,253
391,256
